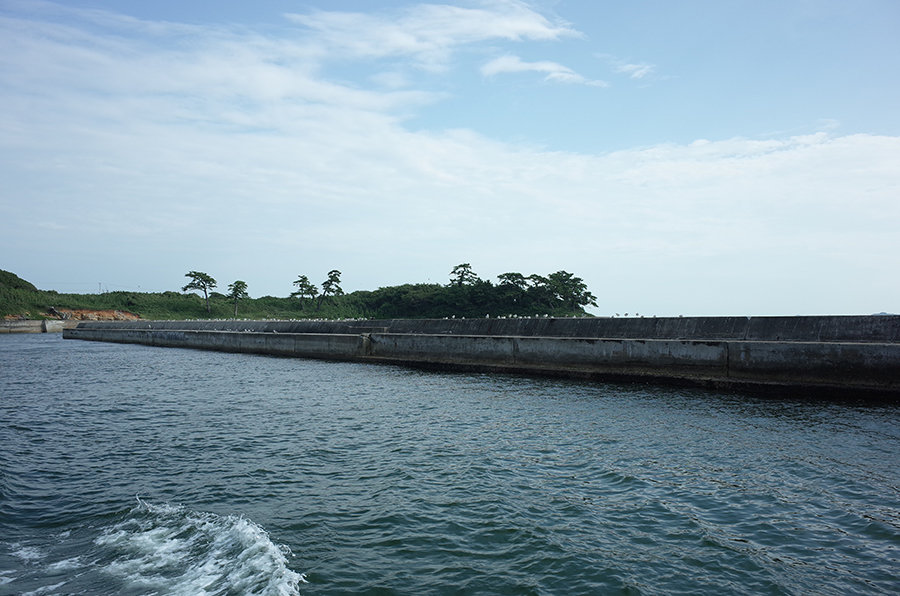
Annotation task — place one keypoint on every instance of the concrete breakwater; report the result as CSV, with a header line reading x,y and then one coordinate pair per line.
x,y
834,356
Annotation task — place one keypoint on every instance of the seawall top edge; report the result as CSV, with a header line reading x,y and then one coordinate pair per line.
x,y
840,328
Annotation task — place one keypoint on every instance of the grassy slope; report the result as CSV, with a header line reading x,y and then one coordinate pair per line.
x,y
167,305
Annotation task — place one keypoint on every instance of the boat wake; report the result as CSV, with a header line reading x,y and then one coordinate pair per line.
x,y
173,550
150,549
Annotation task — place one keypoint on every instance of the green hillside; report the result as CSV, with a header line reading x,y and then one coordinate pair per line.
x,y
558,294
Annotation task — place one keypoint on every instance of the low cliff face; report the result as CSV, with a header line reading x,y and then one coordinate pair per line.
x,y
95,315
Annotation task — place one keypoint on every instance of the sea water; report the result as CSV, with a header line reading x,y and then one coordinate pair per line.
x,y
136,470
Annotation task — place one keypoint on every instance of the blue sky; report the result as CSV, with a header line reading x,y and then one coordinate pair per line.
x,y
696,158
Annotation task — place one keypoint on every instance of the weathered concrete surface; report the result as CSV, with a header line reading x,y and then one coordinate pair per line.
x,y
877,329
840,356
46,326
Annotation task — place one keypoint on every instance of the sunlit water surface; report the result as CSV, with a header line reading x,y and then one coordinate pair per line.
x,y
137,470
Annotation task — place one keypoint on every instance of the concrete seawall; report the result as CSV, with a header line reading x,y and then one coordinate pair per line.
x,y
827,356
45,326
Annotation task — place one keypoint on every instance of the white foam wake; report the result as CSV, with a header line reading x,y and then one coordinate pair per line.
x,y
173,550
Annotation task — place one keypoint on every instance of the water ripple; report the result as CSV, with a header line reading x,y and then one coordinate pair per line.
x,y
382,480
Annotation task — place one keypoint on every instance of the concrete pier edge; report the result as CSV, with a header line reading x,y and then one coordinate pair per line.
x,y
835,357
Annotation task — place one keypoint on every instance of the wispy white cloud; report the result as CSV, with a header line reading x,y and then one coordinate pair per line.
x,y
828,124
555,72
428,32
638,70
213,76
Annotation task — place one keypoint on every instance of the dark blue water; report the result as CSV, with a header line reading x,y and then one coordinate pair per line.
x,y
137,470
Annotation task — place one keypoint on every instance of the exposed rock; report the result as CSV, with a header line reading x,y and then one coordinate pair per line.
x,y
82,314
20,317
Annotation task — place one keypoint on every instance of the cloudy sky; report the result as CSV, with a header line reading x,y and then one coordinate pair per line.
x,y
696,157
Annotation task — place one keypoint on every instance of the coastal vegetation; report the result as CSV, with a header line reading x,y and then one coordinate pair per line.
x,y
202,282
237,291
557,294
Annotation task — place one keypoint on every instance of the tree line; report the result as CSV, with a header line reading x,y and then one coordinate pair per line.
x,y
204,282
465,295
